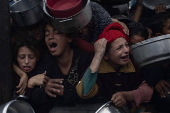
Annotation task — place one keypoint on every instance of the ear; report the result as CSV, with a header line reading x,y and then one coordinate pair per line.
x,y
158,34
70,39
105,57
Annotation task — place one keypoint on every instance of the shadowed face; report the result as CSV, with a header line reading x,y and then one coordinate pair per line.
x,y
26,59
56,41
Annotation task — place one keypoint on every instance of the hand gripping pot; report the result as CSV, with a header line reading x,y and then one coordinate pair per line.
x,y
152,3
16,106
74,22
109,107
151,51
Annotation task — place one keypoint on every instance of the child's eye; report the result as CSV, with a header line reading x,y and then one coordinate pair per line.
x,y
31,56
46,33
21,56
118,47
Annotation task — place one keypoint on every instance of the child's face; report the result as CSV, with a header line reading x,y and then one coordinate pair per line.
x,y
135,39
166,28
118,54
26,59
56,41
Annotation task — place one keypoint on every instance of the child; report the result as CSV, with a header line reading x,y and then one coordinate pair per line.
x,y
26,56
111,74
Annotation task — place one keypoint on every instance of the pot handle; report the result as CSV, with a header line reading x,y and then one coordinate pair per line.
x,y
22,97
69,19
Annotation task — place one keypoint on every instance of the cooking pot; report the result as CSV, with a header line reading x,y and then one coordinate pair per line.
x,y
152,3
151,51
16,106
73,23
64,8
109,107
27,12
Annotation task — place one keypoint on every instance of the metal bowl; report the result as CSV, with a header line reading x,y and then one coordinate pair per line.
x,y
16,106
151,51
109,107
73,23
27,12
152,3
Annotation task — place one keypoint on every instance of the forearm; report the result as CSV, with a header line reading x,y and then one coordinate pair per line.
x,y
18,71
87,87
142,94
138,13
94,66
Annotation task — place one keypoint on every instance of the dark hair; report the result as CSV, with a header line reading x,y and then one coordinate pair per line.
x,y
68,35
136,28
158,21
22,39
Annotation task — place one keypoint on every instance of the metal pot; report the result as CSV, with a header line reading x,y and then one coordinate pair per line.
x,y
152,3
27,12
109,107
151,51
16,106
73,23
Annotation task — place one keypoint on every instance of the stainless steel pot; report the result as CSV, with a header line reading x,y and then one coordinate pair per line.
x,y
152,3
16,106
27,12
73,23
151,51
109,107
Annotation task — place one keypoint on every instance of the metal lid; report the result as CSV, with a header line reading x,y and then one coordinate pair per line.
x,y
152,3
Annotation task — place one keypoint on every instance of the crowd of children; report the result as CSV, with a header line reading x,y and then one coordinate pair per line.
x,y
64,72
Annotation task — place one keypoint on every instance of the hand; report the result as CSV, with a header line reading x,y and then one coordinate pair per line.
x,y
22,84
38,80
119,99
100,47
162,86
54,87
125,28
160,8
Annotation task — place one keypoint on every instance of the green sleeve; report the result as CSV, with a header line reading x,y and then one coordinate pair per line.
x,y
89,80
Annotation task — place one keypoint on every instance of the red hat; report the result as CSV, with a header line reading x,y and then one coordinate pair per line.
x,y
112,32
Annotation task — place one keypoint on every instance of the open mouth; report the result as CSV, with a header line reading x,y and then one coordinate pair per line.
x,y
27,67
125,57
53,45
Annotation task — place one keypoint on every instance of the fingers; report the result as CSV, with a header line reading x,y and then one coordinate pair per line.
x,y
162,86
54,87
118,100
160,8
125,28
160,91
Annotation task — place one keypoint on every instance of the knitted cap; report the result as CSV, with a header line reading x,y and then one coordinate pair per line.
x,y
112,32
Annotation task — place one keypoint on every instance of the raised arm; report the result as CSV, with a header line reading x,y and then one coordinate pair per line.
x,y
87,87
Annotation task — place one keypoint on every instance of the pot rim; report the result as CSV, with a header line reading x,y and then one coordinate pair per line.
x,y
150,40
23,10
47,13
64,9
7,105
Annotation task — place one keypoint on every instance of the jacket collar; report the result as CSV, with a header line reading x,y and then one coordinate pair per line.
x,y
106,67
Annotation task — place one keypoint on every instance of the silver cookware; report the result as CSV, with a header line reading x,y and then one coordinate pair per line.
x,y
109,107
73,23
152,3
27,12
151,51
16,106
